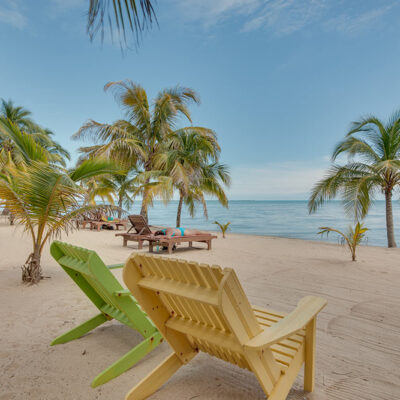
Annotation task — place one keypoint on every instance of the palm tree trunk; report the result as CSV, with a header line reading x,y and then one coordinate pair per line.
x,y
143,210
389,219
120,207
179,213
11,218
32,270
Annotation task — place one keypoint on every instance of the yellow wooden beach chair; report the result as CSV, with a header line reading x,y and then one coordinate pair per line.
x,y
201,308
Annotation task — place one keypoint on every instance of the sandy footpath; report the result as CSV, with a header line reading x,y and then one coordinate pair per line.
x,y
358,339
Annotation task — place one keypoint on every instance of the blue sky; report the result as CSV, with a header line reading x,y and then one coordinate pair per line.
x,y
280,81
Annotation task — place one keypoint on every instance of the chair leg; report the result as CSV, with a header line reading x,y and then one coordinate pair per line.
x,y
155,379
128,360
140,244
309,365
80,330
170,246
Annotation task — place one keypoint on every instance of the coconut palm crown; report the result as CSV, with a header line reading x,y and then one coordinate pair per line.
x,y
142,136
373,167
190,160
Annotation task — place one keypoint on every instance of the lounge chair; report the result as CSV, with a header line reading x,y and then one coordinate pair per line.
x,y
202,308
142,231
104,220
96,280
171,242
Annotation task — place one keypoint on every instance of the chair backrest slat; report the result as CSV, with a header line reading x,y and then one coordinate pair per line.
x,y
139,224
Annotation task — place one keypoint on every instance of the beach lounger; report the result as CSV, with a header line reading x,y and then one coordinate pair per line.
x,y
96,280
99,224
201,308
142,230
170,242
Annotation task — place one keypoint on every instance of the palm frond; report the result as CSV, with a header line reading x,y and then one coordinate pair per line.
x,y
120,15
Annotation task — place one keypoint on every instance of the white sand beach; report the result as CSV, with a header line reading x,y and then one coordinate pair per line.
x,y
358,346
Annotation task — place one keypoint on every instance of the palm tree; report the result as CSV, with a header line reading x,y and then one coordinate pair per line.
x,y
138,140
46,200
373,148
18,115
129,14
124,186
14,118
191,154
18,147
352,238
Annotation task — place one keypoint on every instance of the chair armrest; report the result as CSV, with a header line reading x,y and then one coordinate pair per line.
x,y
306,310
114,266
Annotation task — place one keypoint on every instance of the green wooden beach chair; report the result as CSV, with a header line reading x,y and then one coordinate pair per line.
x,y
96,280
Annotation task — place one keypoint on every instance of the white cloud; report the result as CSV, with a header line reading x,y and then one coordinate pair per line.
x,y
11,14
286,180
286,16
353,24
283,17
210,12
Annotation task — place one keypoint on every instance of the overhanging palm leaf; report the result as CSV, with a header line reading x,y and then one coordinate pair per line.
x,y
135,15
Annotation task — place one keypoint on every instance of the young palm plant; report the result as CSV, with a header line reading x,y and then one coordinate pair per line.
x,y
373,148
45,200
138,140
352,238
224,227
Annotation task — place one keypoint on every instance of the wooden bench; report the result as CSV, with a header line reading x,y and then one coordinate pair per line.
x,y
171,241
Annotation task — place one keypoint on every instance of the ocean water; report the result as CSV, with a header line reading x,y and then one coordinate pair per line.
x,y
288,219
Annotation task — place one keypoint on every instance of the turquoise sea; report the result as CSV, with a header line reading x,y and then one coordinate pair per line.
x,y
276,218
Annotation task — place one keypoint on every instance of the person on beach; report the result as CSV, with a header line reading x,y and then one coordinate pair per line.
x,y
177,232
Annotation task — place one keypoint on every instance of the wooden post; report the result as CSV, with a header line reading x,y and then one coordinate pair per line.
x,y
309,365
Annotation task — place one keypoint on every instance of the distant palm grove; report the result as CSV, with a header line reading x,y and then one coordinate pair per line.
x,y
147,154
